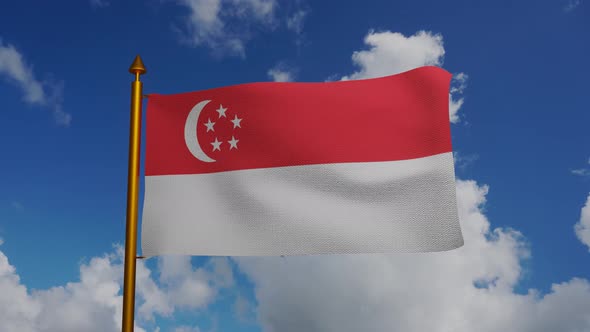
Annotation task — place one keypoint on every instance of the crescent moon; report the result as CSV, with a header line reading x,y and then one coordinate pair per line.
x,y
190,133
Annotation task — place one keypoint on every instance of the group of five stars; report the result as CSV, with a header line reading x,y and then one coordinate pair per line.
x,y
233,143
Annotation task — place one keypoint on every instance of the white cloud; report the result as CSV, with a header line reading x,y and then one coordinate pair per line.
x,y
185,286
244,310
458,85
571,5
281,73
584,171
467,289
94,302
461,80
581,171
582,227
261,9
91,304
13,67
463,161
17,309
295,22
223,25
221,272
181,286
226,26
155,299
391,53
15,70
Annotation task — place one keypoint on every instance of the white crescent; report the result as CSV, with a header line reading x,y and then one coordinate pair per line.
x,y
190,133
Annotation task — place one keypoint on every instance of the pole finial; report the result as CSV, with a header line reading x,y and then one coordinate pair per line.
x,y
137,66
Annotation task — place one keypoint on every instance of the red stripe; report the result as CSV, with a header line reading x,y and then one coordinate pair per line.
x,y
398,117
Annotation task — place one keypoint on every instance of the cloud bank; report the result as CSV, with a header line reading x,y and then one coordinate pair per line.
x,y
94,303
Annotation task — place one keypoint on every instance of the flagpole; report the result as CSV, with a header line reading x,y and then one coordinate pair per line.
x,y
137,68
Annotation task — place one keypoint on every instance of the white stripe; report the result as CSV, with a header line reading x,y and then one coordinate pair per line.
x,y
397,206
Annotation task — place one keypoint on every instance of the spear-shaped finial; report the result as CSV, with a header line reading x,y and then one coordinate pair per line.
x,y
137,66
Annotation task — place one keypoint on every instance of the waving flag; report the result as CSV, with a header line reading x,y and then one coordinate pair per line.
x,y
302,168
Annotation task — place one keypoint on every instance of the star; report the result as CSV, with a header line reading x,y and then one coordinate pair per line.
x,y
233,143
221,110
210,125
236,122
216,145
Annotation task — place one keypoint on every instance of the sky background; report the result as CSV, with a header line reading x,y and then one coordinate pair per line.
x,y
519,120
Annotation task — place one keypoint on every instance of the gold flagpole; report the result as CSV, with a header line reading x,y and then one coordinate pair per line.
x,y
137,68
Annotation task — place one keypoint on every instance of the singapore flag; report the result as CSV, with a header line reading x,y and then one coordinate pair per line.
x,y
263,169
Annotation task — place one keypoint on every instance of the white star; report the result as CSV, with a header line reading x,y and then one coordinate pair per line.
x,y
236,122
216,145
221,110
233,143
210,125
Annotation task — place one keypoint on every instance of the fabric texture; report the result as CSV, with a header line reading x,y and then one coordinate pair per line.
x,y
302,168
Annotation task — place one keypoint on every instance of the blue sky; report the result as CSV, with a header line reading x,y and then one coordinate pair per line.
x,y
520,130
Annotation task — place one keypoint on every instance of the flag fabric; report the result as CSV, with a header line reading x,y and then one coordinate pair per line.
x,y
260,169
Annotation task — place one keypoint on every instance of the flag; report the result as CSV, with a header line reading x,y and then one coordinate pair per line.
x,y
260,169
